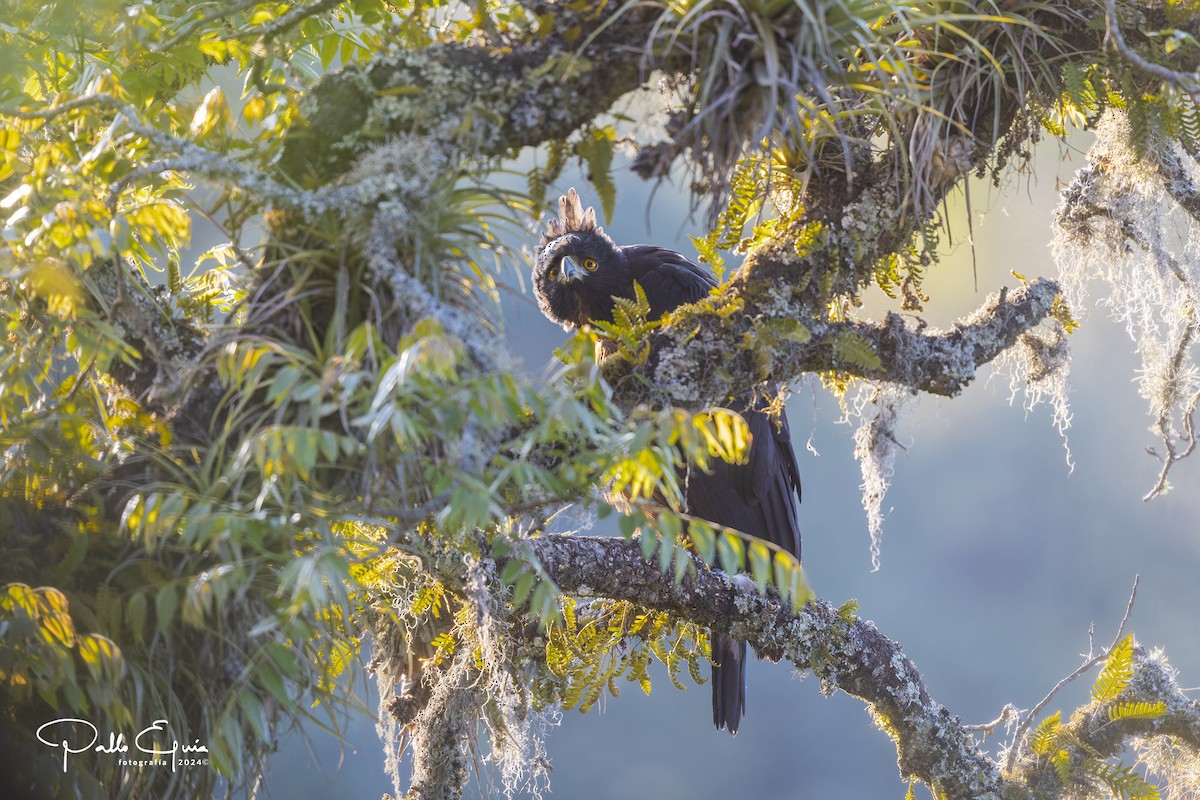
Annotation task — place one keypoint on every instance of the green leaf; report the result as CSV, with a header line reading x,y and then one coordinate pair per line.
x,y
1122,780
666,553
1045,736
511,570
165,603
270,679
847,610
706,248
522,588
759,556
1136,710
254,713
1061,759
704,539
731,552
596,149
852,348
649,543
791,581
683,563
135,615
1118,669
784,329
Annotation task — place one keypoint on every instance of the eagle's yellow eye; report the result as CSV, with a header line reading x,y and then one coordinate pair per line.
x,y
552,273
590,264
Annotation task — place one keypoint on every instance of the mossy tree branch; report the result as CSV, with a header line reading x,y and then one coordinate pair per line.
x,y
851,655
487,98
708,365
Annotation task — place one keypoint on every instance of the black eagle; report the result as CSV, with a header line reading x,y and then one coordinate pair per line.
x,y
577,273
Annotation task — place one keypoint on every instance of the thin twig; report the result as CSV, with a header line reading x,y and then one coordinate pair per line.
x,y
50,112
988,728
1187,82
1091,662
189,28
291,19
1163,424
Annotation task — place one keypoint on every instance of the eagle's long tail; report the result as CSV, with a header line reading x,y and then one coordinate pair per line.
x,y
728,681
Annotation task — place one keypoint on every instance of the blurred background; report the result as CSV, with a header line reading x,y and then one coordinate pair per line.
x,y
997,556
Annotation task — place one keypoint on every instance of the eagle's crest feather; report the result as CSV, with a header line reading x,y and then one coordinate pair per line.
x,y
571,218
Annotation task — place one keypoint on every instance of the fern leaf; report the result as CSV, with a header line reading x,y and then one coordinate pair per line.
x,y
1118,669
846,611
852,348
1122,780
1136,710
706,249
641,302
1189,122
1062,765
596,150
174,278
1045,735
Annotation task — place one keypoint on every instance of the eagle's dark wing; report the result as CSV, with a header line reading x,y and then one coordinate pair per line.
x,y
668,279
756,497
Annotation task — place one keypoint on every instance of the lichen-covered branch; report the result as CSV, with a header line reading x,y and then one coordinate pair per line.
x,y
847,654
851,655
708,364
1185,81
487,98
1105,729
441,731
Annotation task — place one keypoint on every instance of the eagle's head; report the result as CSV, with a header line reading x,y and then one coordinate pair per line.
x,y
578,268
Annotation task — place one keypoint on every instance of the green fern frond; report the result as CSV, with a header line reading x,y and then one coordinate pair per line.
x,y
1149,121
1078,89
1122,780
1045,736
1117,671
706,249
852,348
591,645
77,551
630,326
1062,765
596,149
847,610
1189,122
1136,710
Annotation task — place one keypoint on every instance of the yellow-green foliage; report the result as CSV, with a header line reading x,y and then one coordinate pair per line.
x,y
1074,762
40,646
595,148
1136,710
759,177
630,326
598,642
852,348
1117,670
1045,736
767,336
